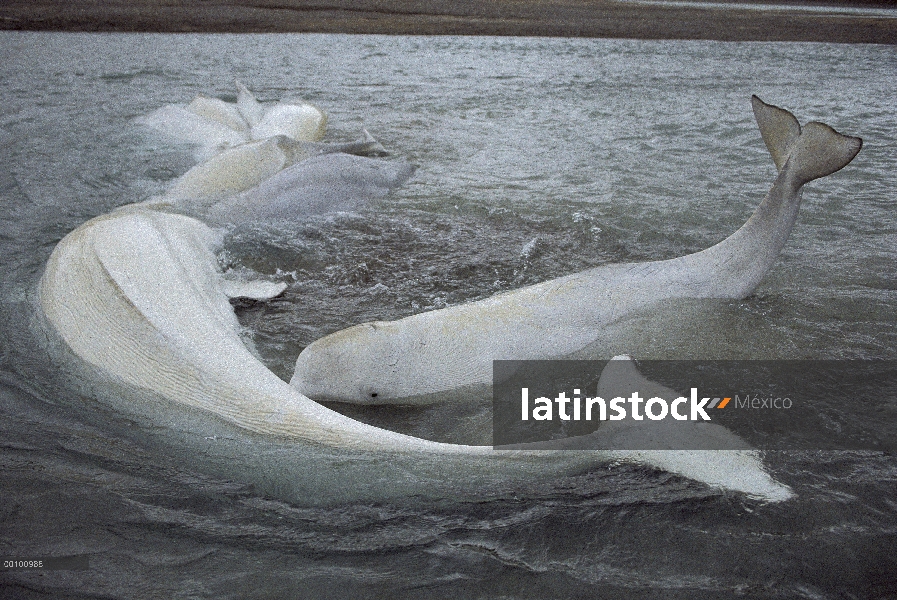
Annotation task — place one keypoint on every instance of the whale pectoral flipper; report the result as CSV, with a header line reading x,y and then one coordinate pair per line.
x,y
248,106
815,150
258,289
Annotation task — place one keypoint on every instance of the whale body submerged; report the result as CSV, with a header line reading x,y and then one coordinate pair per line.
x,y
137,299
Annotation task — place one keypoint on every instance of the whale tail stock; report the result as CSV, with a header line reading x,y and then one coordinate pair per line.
x,y
813,151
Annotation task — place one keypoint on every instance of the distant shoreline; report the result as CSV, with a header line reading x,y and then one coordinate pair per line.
x,y
762,20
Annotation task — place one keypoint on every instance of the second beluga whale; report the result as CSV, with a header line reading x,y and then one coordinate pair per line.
x,y
420,358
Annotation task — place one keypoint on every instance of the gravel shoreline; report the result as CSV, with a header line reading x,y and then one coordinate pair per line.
x,y
869,22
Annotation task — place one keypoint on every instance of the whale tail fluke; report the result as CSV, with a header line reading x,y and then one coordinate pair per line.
x,y
706,452
813,151
778,127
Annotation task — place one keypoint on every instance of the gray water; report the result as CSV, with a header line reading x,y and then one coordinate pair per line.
x,y
537,158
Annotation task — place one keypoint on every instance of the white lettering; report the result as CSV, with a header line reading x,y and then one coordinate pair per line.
x,y
674,412
602,408
698,407
635,400
663,409
524,404
562,401
615,405
542,413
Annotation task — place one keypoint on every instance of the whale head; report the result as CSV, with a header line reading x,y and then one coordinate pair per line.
x,y
413,361
358,365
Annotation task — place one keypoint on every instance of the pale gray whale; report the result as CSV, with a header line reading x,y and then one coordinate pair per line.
x,y
419,358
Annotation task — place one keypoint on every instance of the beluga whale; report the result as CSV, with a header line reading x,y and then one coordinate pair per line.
x,y
238,168
281,171
134,305
211,124
423,357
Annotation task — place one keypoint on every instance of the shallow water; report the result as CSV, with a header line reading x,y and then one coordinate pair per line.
x,y
537,158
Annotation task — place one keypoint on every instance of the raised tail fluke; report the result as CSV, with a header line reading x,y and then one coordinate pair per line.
x,y
812,151
778,127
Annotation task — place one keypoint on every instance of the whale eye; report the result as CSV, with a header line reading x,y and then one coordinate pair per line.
x,y
373,394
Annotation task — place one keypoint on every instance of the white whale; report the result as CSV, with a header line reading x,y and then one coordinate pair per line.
x,y
136,300
213,124
138,296
326,183
240,168
419,358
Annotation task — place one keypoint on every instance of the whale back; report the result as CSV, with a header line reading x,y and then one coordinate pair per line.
x,y
137,295
321,184
235,169
303,122
209,135
218,110
243,167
